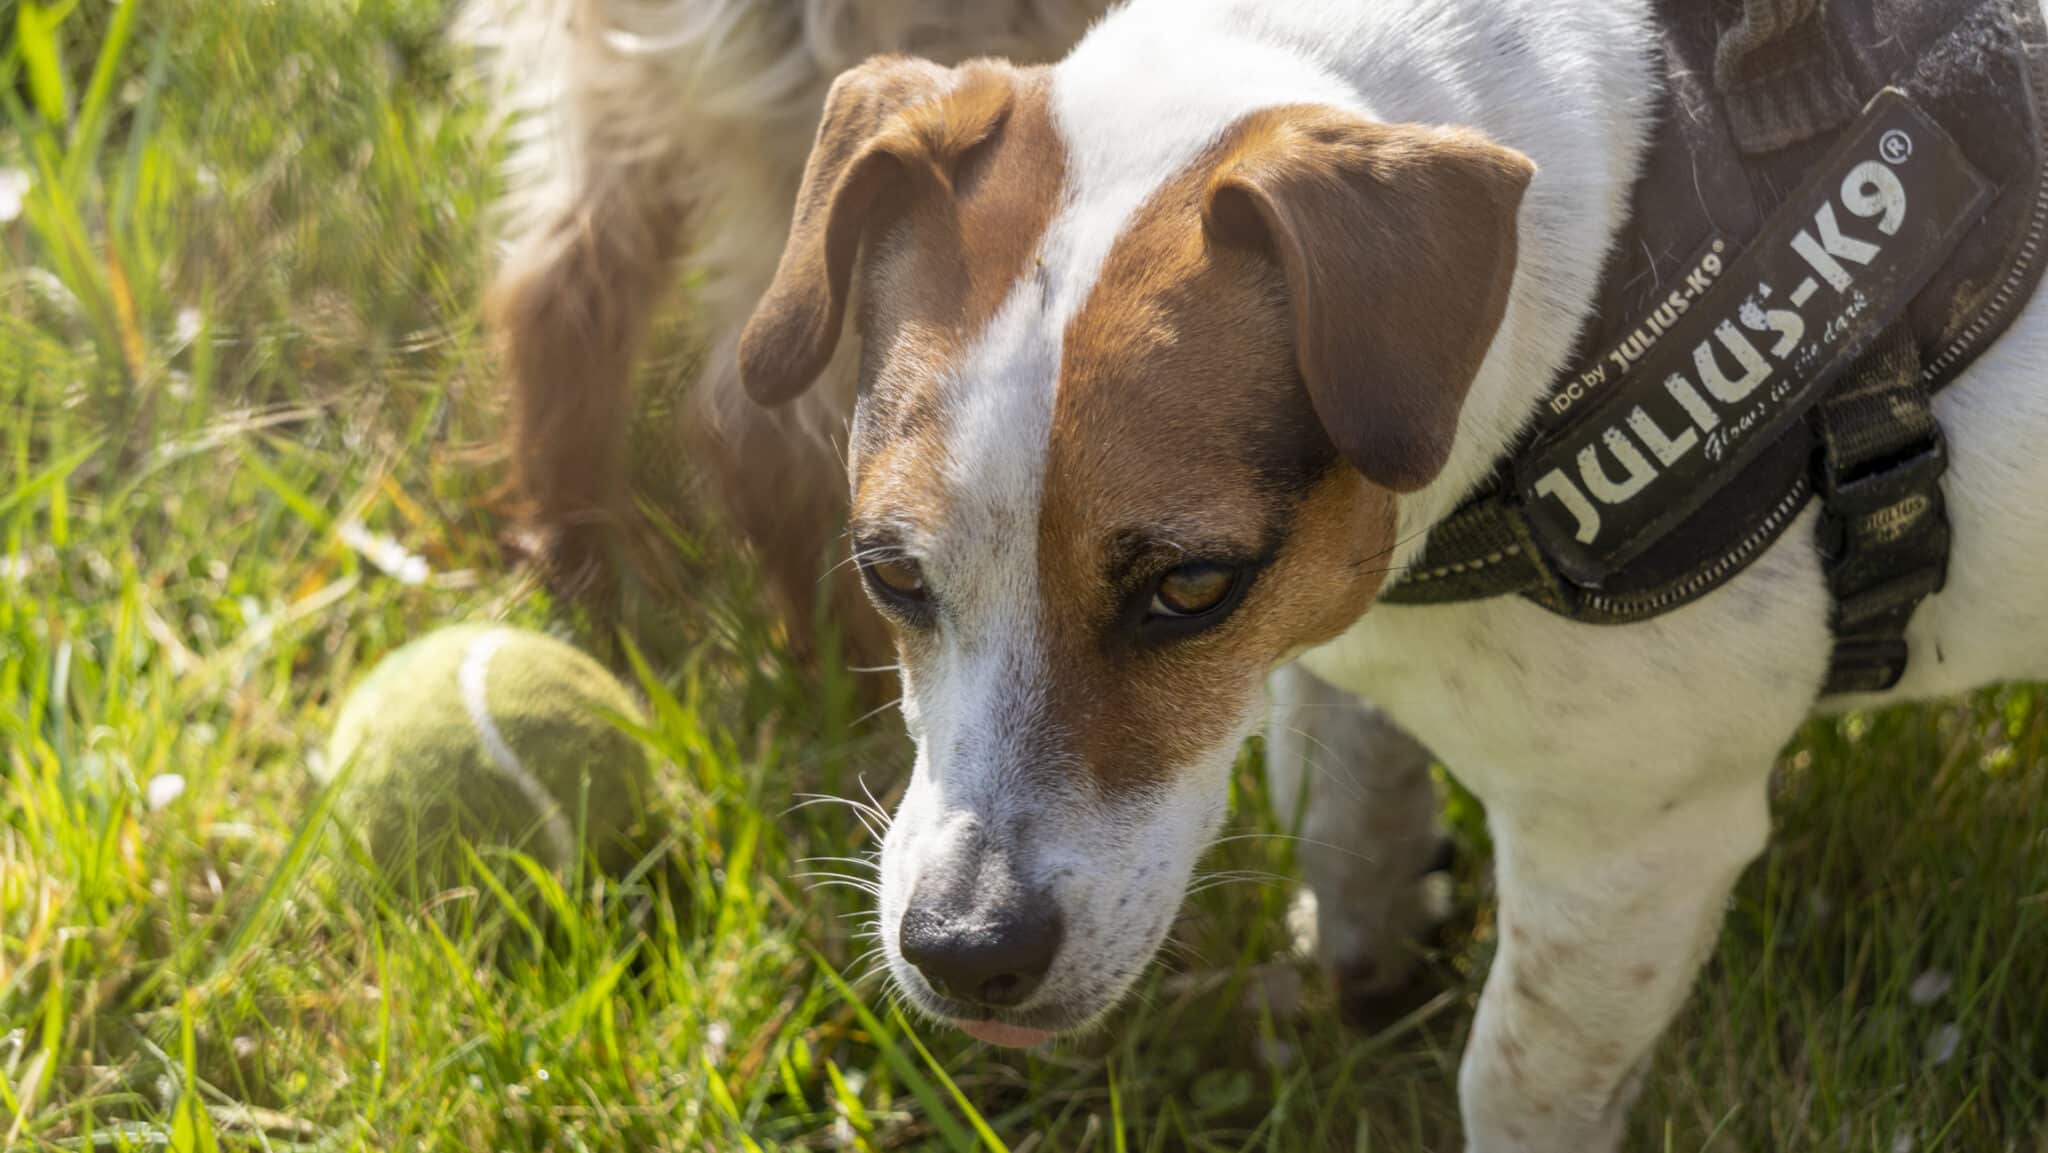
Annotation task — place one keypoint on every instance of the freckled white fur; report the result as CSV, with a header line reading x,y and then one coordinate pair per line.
x,y
1623,767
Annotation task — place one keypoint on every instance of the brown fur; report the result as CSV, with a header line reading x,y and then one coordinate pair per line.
x,y
893,157
934,282
575,310
1198,383
628,163
946,179
1181,415
1398,244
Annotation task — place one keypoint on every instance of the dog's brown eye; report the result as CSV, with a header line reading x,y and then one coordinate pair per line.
x,y
900,576
1193,589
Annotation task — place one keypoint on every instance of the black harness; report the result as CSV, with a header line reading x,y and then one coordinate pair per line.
x,y
1841,209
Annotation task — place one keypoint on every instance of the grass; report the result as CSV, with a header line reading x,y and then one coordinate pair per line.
x,y
239,344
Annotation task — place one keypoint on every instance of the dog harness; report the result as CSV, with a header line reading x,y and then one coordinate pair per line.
x,y
1843,205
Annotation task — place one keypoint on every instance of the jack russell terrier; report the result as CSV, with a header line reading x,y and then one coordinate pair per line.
x,y
1170,357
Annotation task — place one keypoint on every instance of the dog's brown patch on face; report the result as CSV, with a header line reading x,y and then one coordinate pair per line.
x,y
937,269
1182,432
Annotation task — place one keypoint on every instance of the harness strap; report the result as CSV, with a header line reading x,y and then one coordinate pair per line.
x,y
1884,531
1780,78
1484,549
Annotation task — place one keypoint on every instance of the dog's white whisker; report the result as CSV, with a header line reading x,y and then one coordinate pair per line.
x,y
829,880
871,817
877,711
1353,790
860,862
1295,839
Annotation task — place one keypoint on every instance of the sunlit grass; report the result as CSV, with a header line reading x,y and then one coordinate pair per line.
x,y
238,340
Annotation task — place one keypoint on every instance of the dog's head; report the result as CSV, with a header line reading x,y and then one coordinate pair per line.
x,y
1120,448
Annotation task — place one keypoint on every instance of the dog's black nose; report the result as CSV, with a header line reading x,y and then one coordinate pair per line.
x,y
994,956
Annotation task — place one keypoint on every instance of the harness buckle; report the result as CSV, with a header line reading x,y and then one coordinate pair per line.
x,y
1873,489
1885,542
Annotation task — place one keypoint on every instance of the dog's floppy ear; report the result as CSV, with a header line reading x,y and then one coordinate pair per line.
x,y
1397,243
893,127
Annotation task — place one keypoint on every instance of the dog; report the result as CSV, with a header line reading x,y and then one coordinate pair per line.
x,y
1169,356
653,141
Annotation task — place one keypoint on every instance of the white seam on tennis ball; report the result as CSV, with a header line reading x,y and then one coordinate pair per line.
x,y
473,676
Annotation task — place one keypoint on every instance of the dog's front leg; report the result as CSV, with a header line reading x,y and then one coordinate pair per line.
x,y
1356,787
1607,911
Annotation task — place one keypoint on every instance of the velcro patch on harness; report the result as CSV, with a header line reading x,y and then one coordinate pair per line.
x,y
1742,349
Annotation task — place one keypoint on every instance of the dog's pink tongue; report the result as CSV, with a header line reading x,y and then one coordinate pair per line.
x,y
1008,1036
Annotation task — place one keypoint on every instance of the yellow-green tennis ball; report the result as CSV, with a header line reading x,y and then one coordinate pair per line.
x,y
499,736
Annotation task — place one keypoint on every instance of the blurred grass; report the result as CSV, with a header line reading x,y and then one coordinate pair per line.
x,y
237,316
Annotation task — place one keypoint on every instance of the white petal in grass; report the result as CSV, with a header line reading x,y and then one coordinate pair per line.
x,y
186,330
1930,987
389,556
14,186
474,679
1302,929
717,1035
1942,1043
162,790
844,1135
51,292
1439,896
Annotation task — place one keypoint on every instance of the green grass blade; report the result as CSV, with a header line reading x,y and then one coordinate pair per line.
x,y
1116,1108
509,904
37,44
298,854
936,1111
191,1127
721,1098
55,474
974,1118
294,497
87,130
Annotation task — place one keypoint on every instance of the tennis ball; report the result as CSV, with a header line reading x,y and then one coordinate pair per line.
x,y
498,735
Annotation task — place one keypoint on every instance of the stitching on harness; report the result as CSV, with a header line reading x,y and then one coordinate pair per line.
x,y
1463,567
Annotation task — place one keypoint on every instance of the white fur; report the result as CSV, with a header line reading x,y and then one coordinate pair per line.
x,y
1623,768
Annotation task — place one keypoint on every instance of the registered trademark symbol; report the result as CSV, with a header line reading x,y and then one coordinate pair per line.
x,y
1895,146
